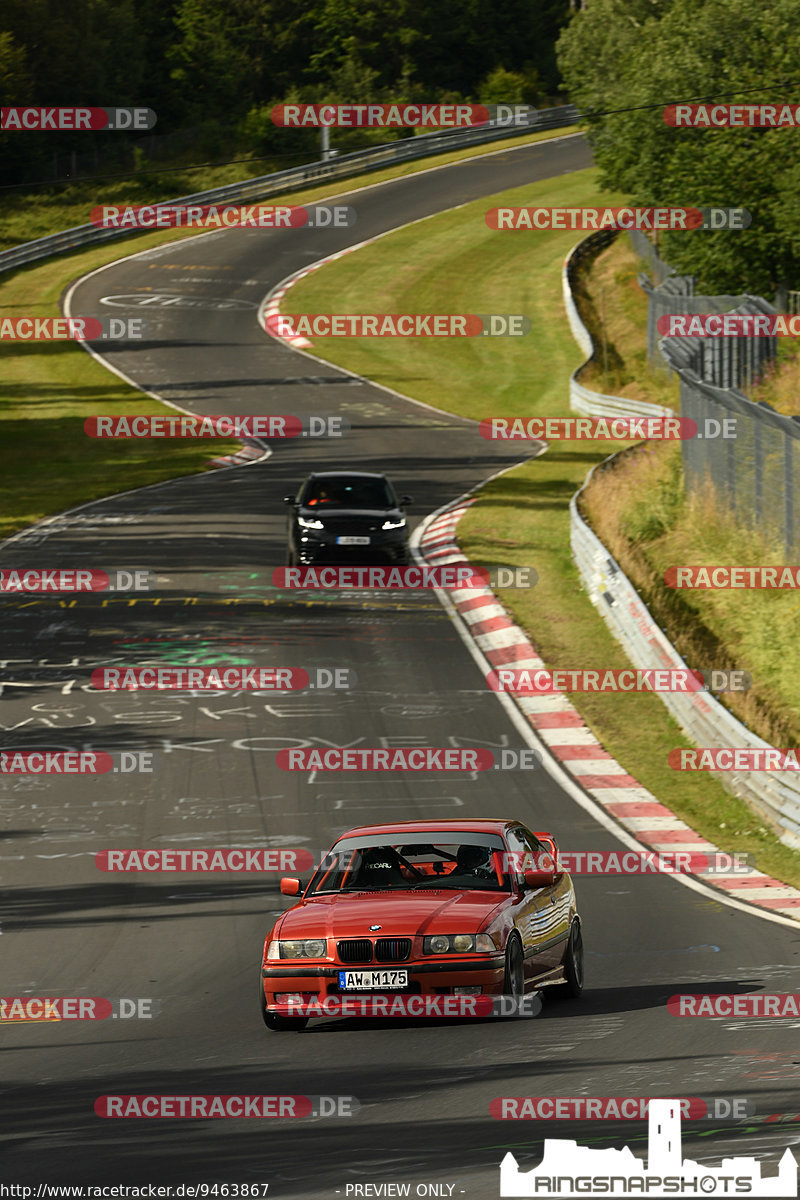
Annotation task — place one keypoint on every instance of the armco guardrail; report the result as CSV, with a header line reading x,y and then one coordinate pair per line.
x,y
775,796
582,399
282,181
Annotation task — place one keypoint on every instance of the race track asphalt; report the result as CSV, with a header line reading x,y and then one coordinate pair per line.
x,y
192,943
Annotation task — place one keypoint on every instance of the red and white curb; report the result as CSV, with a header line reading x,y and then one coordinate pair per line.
x,y
252,450
558,724
270,312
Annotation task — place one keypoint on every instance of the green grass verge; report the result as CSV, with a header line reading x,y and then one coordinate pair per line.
x,y
49,389
453,263
26,215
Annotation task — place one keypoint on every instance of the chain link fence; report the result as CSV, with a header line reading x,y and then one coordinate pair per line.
x,y
753,461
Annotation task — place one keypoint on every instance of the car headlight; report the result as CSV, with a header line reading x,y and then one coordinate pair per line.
x,y
308,948
309,523
393,524
460,943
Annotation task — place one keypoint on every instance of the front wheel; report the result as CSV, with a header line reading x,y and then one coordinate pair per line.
x,y
573,965
276,1022
514,977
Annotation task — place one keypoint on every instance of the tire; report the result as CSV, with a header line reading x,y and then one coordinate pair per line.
x,y
277,1023
514,976
573,966
290,559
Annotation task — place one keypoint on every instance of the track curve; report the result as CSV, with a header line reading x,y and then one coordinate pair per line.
x,y
192,942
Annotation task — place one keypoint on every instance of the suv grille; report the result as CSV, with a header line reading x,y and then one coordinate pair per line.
x,y
355,950
392,949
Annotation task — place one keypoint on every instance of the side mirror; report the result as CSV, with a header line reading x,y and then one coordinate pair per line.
x,y
289,499
406,500
539,879
290,887
551,845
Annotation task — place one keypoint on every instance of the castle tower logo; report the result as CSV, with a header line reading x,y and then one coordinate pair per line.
x,y
568,1169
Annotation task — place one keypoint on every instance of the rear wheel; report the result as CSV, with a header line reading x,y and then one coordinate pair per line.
x,y
573,965
276,1022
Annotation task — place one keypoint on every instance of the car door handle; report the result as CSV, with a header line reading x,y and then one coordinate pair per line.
x,y
552,899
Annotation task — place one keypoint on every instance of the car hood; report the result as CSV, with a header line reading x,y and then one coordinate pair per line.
x,y
326,511
350,914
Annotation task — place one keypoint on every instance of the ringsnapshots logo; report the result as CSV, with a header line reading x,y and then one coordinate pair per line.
x,y
398,325
74,119
65,329
256,426
204,1107
62,580
226,216
589,219
732,116
568,1169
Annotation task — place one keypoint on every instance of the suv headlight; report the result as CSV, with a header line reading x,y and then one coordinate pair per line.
x,y
308,948
309,523
458,943
394,524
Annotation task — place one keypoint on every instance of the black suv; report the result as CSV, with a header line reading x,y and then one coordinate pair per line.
x,y
346,516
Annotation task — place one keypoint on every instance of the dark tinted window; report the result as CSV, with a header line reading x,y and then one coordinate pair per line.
x,y
348,492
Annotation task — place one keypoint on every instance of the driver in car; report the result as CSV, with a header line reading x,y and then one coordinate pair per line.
x,y
475,861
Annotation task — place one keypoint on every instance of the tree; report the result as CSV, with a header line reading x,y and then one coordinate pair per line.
x,y
643,54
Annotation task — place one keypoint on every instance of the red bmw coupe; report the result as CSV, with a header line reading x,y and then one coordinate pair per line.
x,y
464,907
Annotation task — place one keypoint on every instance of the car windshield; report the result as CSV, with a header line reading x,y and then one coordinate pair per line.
x,y
348,492
368,865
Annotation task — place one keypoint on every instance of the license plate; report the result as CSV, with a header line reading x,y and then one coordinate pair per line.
x,y
352,541
362,980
